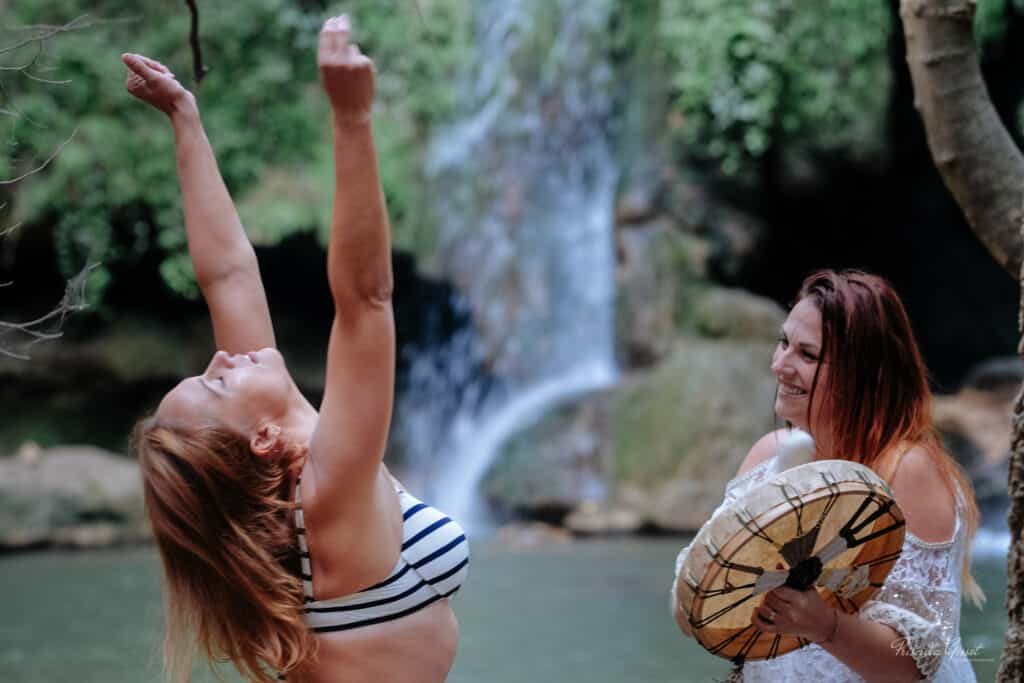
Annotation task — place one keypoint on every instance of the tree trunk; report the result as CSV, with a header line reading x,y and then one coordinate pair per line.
x,y
984,170
973,151
1011,668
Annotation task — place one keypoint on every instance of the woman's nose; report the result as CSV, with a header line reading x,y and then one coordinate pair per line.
x,y
222,359
780,367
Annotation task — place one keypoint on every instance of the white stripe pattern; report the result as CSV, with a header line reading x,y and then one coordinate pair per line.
x,y
432,565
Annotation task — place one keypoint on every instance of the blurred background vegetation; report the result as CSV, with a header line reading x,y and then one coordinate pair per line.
x,y
753,94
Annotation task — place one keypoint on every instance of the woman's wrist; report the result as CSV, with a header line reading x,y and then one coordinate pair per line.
x,y
183,105
829,635
348,120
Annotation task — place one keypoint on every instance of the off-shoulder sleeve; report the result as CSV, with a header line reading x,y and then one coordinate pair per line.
x,y
921,600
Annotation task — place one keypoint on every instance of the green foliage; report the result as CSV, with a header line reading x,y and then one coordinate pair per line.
x,y
112,196
991,20
754,76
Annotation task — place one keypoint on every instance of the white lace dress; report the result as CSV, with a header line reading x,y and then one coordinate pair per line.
x,y
920,600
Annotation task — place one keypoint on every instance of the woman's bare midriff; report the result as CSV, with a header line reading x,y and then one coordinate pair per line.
x,y
417,648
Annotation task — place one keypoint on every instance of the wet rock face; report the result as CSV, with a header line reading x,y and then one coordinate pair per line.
x,y
76,496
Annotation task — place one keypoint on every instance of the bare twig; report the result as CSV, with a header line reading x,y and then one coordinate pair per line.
x,y
29,64
43,165
193,39
23,69
45,32
27,74
35,330
18,338
9,230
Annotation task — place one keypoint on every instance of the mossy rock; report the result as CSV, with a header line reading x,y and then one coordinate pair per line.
x,y
661,445
681,430
736,314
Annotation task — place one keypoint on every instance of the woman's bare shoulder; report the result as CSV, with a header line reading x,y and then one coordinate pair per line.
x,y
923,493
764,448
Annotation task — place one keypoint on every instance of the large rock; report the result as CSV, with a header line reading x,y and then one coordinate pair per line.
x,y
561,462
654,452
69,496
681,430
737,314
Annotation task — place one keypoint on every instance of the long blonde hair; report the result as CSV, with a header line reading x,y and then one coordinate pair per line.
x,y
879,374
223,523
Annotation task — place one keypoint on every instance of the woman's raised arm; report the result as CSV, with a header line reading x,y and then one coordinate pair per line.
x,y
356,411
224,260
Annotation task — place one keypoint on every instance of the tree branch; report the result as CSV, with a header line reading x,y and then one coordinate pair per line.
x,y
973,151
46,163
193,39
43,33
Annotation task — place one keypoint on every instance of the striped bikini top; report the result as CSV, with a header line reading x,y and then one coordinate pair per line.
x,y
432,564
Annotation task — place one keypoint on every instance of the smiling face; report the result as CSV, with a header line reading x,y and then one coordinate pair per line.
x,y
243,392
796,360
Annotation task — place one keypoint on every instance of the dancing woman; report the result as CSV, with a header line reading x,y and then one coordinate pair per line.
x,y
850,374
287,547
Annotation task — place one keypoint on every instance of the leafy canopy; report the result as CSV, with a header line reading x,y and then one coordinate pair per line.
x,y
111,196
754,76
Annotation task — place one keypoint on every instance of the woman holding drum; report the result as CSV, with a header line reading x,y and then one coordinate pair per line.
x,y
850,374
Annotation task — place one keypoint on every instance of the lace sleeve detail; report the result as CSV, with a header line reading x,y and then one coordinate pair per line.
x,y
742,483
921,600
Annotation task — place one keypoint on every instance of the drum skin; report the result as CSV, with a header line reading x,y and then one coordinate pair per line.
x,y
778,533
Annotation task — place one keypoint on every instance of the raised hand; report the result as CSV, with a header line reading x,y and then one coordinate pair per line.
x,y
153,83
346,72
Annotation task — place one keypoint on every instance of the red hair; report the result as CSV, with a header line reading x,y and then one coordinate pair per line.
x,y
223,523
880,402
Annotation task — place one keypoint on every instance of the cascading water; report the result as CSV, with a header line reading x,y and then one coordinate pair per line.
x,y
525,190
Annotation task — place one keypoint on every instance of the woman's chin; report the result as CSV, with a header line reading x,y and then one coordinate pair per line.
x,y
785,410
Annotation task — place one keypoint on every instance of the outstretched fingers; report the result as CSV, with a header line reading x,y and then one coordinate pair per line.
x,y
334,38
347,73
143,66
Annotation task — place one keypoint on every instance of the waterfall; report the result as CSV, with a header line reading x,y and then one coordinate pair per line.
x,y
525,185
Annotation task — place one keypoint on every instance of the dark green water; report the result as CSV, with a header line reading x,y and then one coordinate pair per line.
x,y
593,612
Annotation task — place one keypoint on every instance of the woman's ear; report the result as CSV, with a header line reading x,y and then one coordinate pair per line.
x,y
266,441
